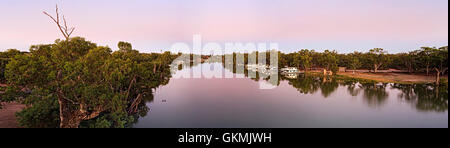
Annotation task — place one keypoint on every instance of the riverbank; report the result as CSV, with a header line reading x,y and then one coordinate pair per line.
x,y
7,114
393,77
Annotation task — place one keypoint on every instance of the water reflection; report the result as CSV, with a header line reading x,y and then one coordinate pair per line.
x,y
299,100
305,84
353,88
425,97
375,94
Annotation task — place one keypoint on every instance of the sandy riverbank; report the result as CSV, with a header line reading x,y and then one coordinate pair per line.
x,y
394,77
7,115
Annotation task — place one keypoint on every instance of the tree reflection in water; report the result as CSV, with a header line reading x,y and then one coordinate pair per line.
x,y
375,94
353,88
424,97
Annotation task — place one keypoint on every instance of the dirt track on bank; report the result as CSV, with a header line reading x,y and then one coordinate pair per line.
x,y
7,115
394,77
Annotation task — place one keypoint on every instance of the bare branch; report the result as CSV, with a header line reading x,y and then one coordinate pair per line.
x,y
51,17
135,105
62,27
96,111
65,24
57,13
131,84
71,31
61,95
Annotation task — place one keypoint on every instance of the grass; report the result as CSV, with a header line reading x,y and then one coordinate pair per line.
x,y
400,78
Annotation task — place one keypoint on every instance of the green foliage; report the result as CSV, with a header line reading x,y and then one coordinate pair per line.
x,y
328,60
110,120
378,57
354,61
99,88
10,53
440,58
303,59
5,57
124,46
43,113
425,59
89,83
407,61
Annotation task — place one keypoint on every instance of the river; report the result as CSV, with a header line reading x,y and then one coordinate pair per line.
x,y
300,101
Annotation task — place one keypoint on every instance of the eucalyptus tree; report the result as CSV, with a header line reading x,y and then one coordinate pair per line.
x,y
354,61
406,60
440,62
378,58
328,60
426,58
4,59
125,46
303,59
75,80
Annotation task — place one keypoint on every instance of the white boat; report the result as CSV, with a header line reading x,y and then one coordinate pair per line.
x,y
289,70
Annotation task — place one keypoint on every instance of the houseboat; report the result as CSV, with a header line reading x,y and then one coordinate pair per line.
x,y
289,70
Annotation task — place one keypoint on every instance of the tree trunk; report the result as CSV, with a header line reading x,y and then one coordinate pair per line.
x,y
375,68
438,76
443,71
67,116
71,116
410,69
436,91
428,69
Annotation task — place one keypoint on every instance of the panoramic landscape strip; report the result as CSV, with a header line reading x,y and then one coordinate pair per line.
x,y
81,81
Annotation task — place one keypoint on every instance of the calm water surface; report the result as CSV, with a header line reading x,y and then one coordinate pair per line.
x,y
299,102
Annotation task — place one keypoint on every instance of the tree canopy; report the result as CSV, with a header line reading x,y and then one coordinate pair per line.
x,y
76,83
72,81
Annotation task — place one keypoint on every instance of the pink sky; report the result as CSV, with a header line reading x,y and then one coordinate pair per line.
x,y
152,25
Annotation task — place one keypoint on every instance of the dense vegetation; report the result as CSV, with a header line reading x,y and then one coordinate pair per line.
x,y
425,60
5,57
75,82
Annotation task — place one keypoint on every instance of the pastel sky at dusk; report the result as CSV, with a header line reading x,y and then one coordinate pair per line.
x,y
154,25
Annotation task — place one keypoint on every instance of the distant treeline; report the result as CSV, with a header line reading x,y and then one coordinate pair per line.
x,y
75,83
425,60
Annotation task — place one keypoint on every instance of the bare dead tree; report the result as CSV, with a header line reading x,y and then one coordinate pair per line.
x,y
62,27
